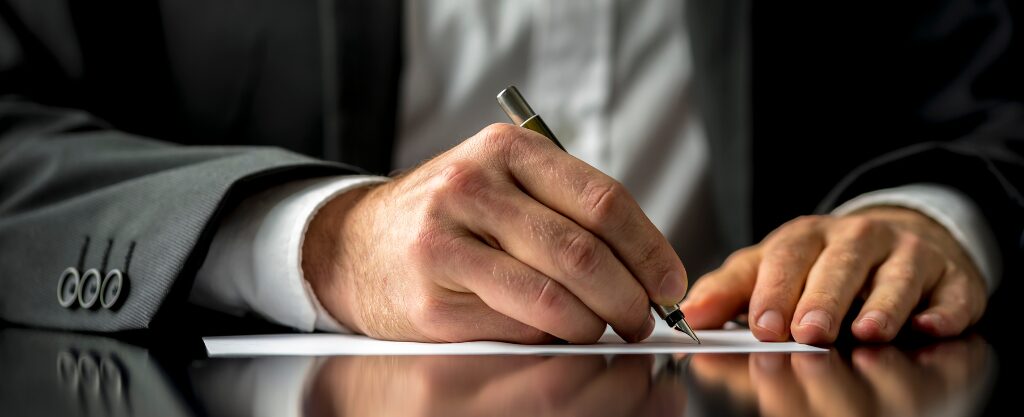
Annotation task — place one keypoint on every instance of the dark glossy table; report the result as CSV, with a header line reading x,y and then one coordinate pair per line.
x,y
50,373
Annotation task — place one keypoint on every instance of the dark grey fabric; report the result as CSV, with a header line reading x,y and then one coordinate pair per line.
x,y
77,195
96,99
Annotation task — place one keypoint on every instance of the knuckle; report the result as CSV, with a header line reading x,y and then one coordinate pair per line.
x,y
580,255
742,256
807,220
428,243
784,255
914,242
918,248
503,139
801,224
464,179
551,298
902,273
859,227
848,258
603,201
498,129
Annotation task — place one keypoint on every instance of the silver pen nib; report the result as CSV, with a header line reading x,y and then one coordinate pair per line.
x,y
682,326
674,317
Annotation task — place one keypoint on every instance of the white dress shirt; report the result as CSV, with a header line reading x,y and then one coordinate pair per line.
x,y
611,78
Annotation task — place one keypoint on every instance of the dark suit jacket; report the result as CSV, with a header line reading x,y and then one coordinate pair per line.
x,y
97,95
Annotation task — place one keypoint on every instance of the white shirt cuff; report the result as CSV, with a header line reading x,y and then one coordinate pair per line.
x,y
953,210
254,264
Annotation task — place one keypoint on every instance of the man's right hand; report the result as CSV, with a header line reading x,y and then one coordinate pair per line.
x,y
503,237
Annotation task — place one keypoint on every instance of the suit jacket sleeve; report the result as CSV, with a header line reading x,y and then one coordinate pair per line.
x,y
74,193
85,88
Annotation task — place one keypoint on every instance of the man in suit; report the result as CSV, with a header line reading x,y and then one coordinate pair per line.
x,y
502,236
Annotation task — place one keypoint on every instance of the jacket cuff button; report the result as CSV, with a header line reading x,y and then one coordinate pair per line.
x,y
113,287
67,288
89,288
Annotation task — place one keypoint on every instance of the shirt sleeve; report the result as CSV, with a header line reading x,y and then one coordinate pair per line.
x,y
254,265
949,207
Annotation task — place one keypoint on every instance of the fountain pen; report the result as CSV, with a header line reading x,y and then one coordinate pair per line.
x,y
517,109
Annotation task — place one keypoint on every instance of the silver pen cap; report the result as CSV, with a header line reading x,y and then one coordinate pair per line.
x,y
522,114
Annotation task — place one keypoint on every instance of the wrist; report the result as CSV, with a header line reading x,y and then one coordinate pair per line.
x,y
329,256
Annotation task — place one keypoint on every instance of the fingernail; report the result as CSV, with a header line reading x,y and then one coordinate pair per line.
x,y
672,287
878,317
771,321
932,320
817,318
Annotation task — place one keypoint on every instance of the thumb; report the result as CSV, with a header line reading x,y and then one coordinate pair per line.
x,y
723,293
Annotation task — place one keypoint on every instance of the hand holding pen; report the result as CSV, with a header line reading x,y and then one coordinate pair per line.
x,y
503,237
513,103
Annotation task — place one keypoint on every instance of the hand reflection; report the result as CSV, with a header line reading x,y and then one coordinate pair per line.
x,y
882,380
489,385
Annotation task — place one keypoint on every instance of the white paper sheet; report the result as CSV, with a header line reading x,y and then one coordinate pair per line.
x,y
320,344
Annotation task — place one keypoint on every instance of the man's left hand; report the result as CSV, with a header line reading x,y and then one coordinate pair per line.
x,y
803,277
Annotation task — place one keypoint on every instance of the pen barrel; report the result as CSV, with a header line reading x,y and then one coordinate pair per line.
x,y
537,124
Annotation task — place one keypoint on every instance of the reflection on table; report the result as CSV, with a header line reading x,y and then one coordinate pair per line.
x,y
48,373
948,378
53,373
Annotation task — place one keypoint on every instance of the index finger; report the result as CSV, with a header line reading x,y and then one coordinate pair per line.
x,y
598,203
